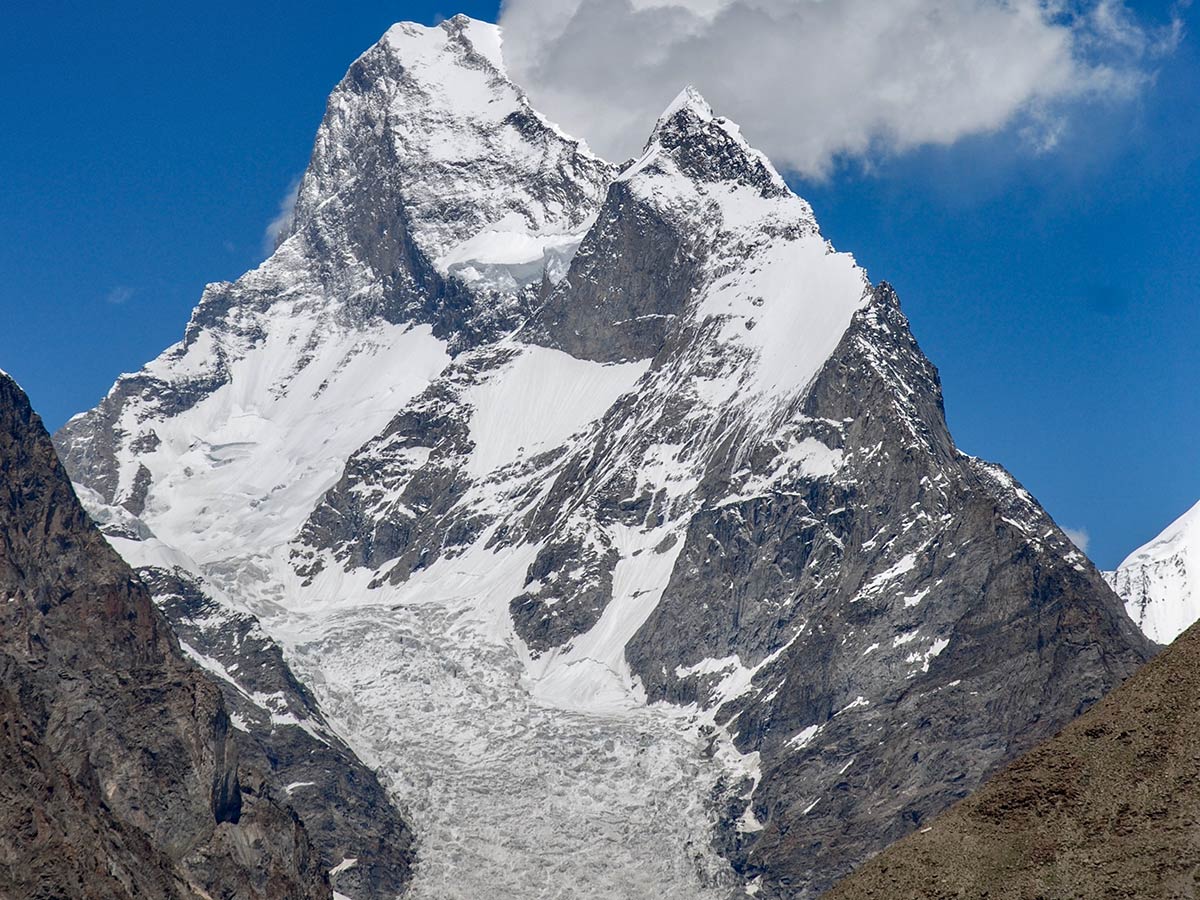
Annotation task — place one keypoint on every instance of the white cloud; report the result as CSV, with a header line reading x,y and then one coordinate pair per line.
x,y
1079,537
119,295
283,220
814,80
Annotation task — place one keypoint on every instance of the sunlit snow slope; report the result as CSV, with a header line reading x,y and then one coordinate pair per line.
x,y
1161,581
611,514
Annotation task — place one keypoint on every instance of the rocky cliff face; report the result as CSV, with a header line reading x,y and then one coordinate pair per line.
x,y
1159,582
1107,808
121,775
612,514
356,830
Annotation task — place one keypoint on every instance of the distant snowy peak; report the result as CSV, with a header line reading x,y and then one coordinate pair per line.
x,y
1160,583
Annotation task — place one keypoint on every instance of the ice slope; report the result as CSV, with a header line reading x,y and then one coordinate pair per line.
x,y
274,438
536,402
1160,582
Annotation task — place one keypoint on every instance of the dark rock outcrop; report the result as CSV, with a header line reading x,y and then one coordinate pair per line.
x,y
354,826
121,777
616,313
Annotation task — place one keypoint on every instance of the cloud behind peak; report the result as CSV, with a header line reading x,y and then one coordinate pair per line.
x,y
812,81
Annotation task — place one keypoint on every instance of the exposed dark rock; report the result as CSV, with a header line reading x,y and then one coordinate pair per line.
x,y
407,519
627,284
919,614
122,778
281,729
573,586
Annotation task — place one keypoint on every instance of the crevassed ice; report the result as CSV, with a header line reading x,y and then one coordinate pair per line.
x,y
511,797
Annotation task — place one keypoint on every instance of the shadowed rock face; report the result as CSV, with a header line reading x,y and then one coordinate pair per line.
x,y
914,622
282,730
617,313
121,775
1107,808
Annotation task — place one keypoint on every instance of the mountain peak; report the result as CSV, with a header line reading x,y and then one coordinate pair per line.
x,y
419,44
429,123
690,102
710,148
1158,582
706,464
1181,529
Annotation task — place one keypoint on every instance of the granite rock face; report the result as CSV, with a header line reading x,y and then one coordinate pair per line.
x,y
911,623
122,775
536,459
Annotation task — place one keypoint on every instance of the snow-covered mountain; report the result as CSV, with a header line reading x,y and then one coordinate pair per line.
x,y
609,514
1160,582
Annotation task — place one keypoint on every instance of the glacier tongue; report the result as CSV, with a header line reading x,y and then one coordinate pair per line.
x,y
510,797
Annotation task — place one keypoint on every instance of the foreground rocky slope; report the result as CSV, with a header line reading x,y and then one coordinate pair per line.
x,y
120,774
1160,582
620,486
356,829
1108,808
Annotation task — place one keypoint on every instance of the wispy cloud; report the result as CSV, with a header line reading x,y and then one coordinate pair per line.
x,y
119,295
1079,537
279,225
812,81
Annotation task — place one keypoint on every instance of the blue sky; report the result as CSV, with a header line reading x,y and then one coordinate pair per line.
x,y
148,147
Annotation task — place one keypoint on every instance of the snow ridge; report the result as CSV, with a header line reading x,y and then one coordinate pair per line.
x,y
1160,582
